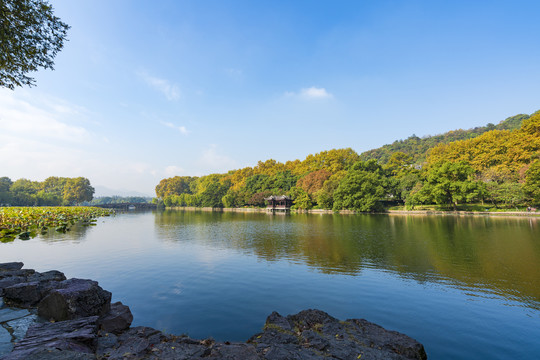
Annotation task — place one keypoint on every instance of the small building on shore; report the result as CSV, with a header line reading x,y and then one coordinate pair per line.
x,y
278,203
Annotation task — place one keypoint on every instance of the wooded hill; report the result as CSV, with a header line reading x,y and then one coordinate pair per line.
x,y
418,148
499,164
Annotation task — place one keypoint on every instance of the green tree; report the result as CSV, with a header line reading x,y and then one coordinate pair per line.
x,y
23,192
77,190
325,196
302,199
31,36
362,188
213,193
281,182
5,185
451,183
54,185
507,193
532,182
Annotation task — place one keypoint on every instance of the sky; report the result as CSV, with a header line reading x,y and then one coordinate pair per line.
x,y
145,90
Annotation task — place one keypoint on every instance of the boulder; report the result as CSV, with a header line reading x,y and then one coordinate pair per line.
x,y
9,281
118,319
69,337
52,275
11,266
19,272
27,294
313,334
75,298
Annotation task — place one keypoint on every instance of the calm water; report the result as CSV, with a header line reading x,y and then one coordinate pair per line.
x,y
466,287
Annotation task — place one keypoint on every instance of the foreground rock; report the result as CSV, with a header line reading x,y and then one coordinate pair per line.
x,y
313,334
66,337
74,298
85,325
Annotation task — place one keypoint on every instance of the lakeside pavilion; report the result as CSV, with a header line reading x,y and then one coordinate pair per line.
x,y
278,203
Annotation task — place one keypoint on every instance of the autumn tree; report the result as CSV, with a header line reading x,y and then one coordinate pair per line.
x,y
325,196
174,186
31,36
313,182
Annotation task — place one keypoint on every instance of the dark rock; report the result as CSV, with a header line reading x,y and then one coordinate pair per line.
x,y
25,295
52,275
9,281
77,336
28,294
118,319
232,352
313,334
106,343
11,266
23,273
136,343
177,350
55,354
75,298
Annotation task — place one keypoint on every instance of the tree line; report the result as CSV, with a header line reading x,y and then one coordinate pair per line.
x,y
105,200
53,191
499,166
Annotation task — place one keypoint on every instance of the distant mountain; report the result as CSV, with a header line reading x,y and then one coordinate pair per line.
x,y
105,191
418,148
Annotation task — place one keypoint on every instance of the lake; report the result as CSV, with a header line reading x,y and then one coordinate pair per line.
x,y
467,287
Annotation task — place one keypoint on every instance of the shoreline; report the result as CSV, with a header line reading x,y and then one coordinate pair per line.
x,y
352,212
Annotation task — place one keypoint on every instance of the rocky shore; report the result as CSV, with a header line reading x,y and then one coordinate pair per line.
x,y
46,316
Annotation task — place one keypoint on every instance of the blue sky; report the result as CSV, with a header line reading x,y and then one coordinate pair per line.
x,y
147,90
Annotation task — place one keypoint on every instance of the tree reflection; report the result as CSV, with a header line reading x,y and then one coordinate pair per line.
x,y
499,254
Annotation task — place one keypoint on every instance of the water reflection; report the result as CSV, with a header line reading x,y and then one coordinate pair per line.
x,y
75,234
494,255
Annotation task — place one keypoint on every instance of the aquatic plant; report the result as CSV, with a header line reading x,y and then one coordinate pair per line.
x,y
28,222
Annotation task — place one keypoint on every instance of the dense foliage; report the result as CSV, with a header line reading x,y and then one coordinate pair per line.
x,y
31,36
53,191
27,222
498,164
417,148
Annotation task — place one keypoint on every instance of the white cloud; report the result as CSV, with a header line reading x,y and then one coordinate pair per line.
x,y
182,129
170,90
44,119
173,170
311,93
213,161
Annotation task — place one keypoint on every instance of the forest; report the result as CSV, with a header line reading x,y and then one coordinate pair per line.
x,y
495,166
53,191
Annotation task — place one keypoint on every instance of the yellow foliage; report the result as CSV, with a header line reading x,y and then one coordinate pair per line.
x,y
500,151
